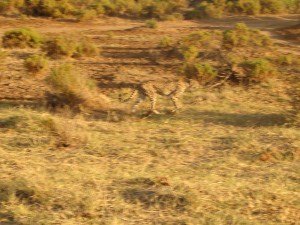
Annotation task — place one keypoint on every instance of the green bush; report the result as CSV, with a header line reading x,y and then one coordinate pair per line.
x,y
189,53
86,10
203,73
36,63
292,6
219,8
74,89
60,46
287,60
166,42
250,7
66,80
192,45
257,70
86,15
22,38
151,23
86,48
63,46
49,8
214,9
272,6
241,36
160,9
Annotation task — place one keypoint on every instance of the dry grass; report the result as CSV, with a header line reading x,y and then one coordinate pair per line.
x,y
75,90
228,158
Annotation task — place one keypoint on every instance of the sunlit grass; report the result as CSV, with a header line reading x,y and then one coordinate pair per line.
x,y
227,158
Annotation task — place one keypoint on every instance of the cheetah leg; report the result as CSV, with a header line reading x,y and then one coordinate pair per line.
x,y
176,103
139,100
153,100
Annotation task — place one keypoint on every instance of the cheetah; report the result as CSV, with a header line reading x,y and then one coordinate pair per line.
x,y
152,89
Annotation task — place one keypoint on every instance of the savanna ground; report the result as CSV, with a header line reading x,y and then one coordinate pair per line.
x,y
230,157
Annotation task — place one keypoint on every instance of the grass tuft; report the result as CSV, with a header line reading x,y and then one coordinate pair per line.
x,y
22,38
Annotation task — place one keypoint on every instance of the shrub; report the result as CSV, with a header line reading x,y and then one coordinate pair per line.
x,y
250,7
272,6
166,42
173,17
202,40
67,47
60,47
241,35
86,48
86,15
289,60
215,9
22,38
48,8
151,23
189,53
75,90
36,63
203,73
292,6
257,70
161,9
196,43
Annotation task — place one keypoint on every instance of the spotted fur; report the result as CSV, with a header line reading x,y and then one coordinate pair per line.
x,y
152,89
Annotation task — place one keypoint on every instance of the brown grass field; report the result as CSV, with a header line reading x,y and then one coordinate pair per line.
x,y
231,157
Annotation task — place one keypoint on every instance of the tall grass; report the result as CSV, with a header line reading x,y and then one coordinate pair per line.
x,y
22,38
75,90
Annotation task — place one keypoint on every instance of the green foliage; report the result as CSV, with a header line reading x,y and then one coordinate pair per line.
x,y
87,10
36,63
75,90
227,54
219,8
272,6
166,42
22,38
160,9
86,15
203,73
189,53
60,46
250,7
241,36
214,9
151,23
257,70
63,46
65,79
86,48
69,83
287,60
190,46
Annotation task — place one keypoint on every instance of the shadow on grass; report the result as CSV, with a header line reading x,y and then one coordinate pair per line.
x,y
7,104
245,120
230,119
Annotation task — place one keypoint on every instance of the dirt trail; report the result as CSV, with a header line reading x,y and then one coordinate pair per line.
x,y
129,49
